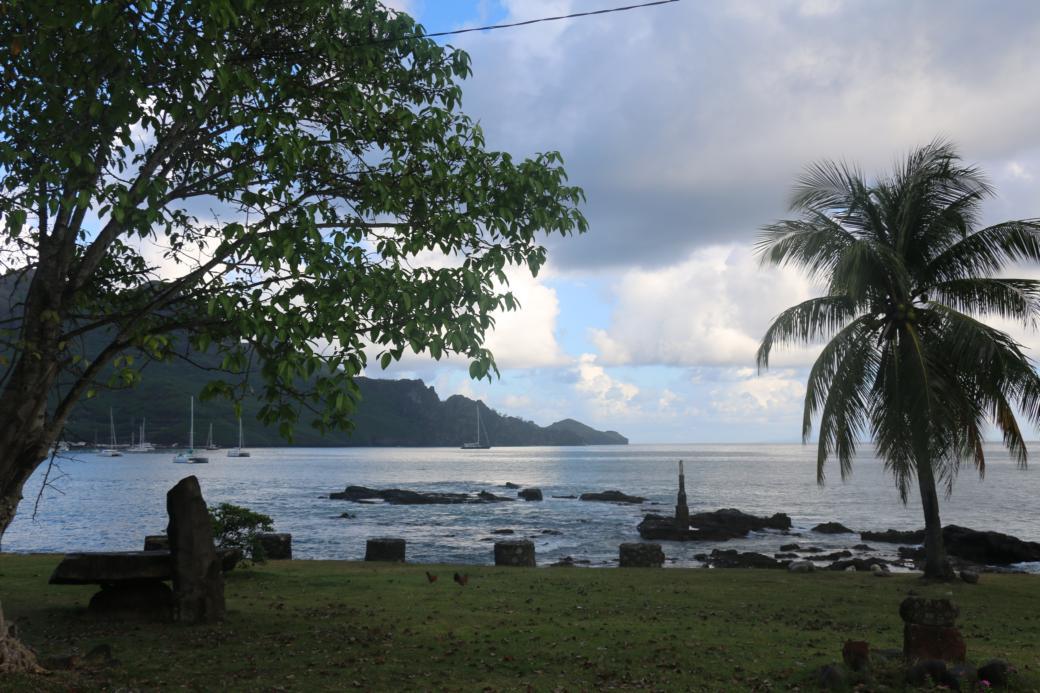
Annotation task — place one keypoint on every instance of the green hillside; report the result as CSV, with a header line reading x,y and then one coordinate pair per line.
x,y
391,413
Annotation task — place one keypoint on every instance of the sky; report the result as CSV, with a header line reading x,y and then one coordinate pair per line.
x,y
686,125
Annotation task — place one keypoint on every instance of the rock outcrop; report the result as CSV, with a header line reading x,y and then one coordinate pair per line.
x,y
611,497
397,496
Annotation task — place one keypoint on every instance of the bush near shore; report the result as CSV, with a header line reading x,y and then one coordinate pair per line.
x,y
335,625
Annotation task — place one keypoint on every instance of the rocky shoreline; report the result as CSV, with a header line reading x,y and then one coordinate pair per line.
x,y
969,550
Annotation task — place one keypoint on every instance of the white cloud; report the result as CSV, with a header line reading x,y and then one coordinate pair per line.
x,y
772,395
608,396
710,309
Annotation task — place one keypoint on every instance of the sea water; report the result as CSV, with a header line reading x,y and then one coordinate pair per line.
x,y
110,503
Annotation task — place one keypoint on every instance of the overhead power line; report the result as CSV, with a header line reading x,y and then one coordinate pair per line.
x,y
527,22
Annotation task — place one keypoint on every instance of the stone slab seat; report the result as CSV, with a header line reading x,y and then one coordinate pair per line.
x,y
113,568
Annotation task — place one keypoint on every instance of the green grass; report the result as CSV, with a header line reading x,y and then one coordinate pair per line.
x,y
331,625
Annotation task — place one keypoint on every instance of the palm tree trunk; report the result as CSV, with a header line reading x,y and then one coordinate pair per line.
x,y
936,567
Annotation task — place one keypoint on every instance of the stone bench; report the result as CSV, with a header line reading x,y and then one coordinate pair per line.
x,y
128,579
137,579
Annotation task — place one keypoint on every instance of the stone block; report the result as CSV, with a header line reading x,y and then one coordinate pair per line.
x,y
640,555
156,542
515,552
198,582
277,546
390,549
933,642
928,612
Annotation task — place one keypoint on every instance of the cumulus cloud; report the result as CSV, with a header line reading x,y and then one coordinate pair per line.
x,y
607,395
710,309
774,395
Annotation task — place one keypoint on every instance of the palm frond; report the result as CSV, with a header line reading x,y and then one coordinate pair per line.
x,y
809,321
839,387
985,252
1015,299
815,244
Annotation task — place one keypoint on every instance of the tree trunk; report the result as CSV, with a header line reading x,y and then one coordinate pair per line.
x,y
936,567
18,460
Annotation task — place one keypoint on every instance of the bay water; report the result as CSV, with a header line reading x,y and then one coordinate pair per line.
x,y
103,503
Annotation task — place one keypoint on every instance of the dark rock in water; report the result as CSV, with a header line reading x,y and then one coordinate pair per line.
x,y
856,655
530,494
515,552
730,558
611,497
502,531
790,547
832,528
348,516
737,523
510,484
996,671
811,549
552,532
277,546
397,496
198,582
862,547
148,598
388,549
567,497
719,525
640,555
988,547
783,555
837,555
895,536
860,564
970,576
489,497
913,553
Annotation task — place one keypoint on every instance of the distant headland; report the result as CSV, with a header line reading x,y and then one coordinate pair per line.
x,y
392,413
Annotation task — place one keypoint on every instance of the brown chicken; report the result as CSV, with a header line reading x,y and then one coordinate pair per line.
x,y
461,579
430,577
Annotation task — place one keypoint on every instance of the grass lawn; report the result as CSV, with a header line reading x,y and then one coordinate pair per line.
x,y
334,625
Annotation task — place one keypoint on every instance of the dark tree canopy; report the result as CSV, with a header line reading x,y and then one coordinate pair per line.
x,y
264,179
909,281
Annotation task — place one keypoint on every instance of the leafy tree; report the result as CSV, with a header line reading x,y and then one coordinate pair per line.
x,y
259,179
909,280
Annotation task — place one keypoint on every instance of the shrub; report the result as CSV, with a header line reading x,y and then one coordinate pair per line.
x,y
235,527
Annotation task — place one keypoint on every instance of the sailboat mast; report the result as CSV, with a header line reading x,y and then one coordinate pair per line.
x,y
240,433
191,428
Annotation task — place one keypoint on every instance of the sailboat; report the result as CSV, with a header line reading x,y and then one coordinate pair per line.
x,y
238,452
477,445
142,444
111,450
189,456
209,440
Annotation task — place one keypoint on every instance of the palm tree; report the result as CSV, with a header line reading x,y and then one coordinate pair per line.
x,y
908,358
